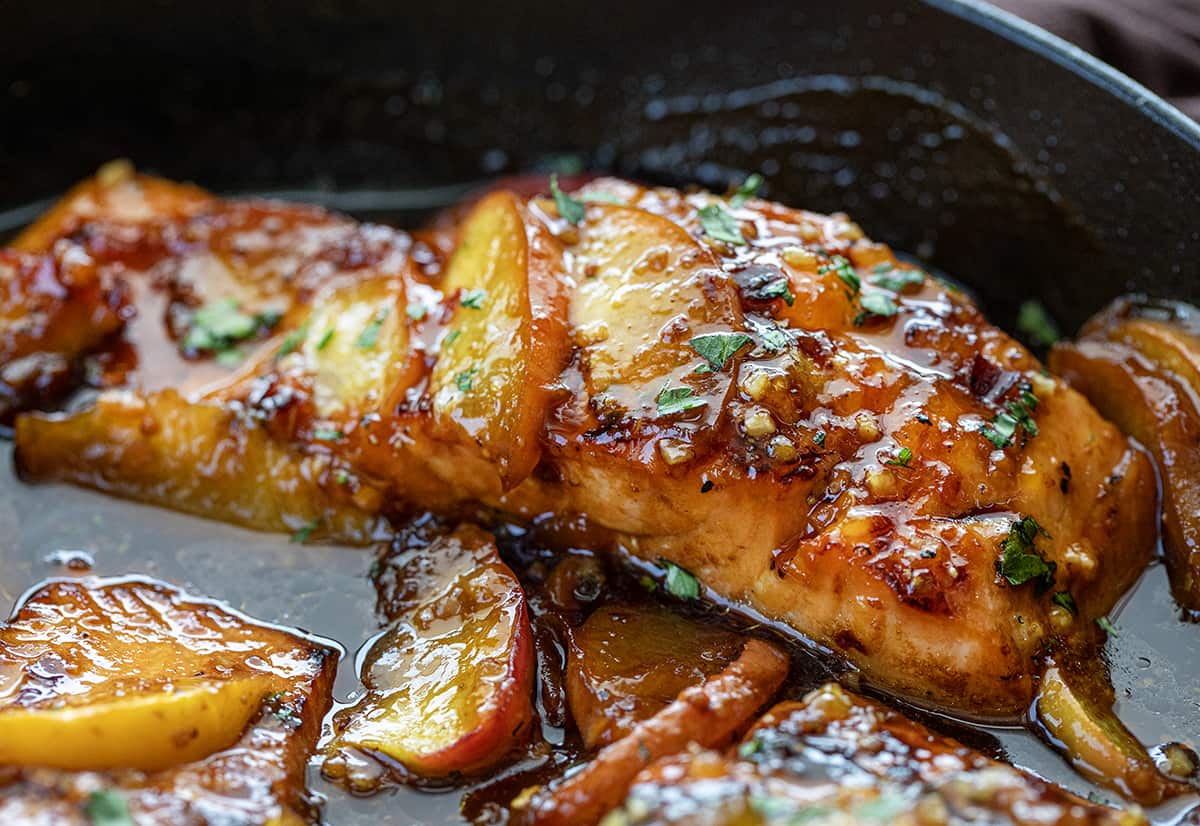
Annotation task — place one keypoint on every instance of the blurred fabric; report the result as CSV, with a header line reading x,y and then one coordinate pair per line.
x,y
1156,42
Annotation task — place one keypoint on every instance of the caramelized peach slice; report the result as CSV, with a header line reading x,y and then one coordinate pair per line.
x,y
1139,390
131,674
627,663
448,685
708,715
355,345
507,342
204,458
645,289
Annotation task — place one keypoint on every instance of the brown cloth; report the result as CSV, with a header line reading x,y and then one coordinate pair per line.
x,y
1156,42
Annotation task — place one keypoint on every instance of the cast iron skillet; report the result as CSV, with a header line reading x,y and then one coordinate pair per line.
x,y
952,131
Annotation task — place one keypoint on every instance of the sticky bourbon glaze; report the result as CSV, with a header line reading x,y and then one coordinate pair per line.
x,y
853,469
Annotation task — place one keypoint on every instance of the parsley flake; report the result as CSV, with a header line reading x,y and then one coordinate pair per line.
x,y
716,348
902,458
570,209
766,284
327,434
720,225
465,380
819,438
1106,625
748,189
893,278
1021,561
1020,412
877,304
301,536
772,337
1064,599
680,582
1035,323
370,334
451,337
843,269
473,299
107,808
674,400
292,340
325,339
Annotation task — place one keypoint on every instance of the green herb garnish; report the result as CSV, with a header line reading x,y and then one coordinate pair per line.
x,y
680,582
301,536
720,225
325,339
465,380
292,340
748,189
473,299
877,304
765,287
1020,412
342,477
1065,600
570,209
774,339
1035,323
819,438
1021,561
451,337
902,458
1106,625
107,808
895,279
327,434
843,269
416,311
370,334
716,348
674,400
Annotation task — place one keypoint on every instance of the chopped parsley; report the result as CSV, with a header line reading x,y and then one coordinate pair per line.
x,y
680,582
748,189
218,325
570,209
107,808
877,304
451,337
601,198
1021,562
674,400
1063,599
342,477
292,340
325,339
1036,325
720,225
301,536
716,348
231,357
465,380
1107,626
327,434
416,311
473,299
902,458
370,334
772,337
768,284
843,269
1004,427
893,278
819,438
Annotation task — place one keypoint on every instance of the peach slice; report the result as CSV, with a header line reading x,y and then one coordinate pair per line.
x,y
448,685
627,663
1141,392
507,341
131,674
199,458
645,289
